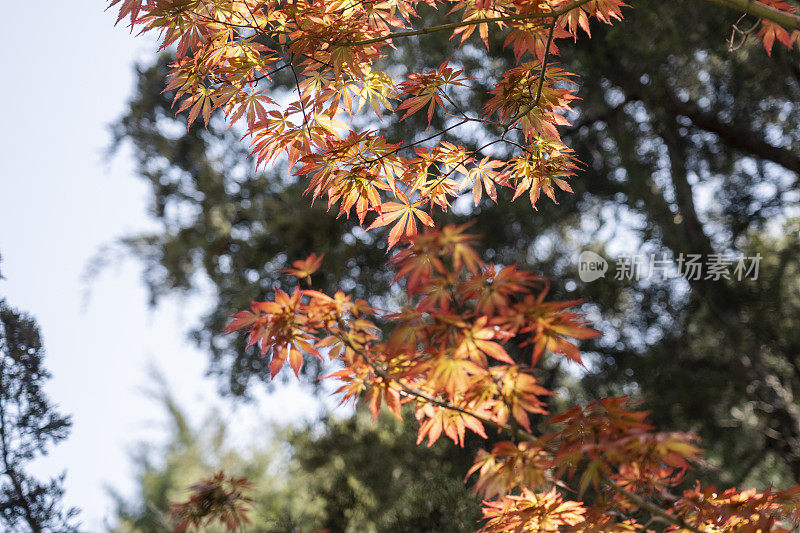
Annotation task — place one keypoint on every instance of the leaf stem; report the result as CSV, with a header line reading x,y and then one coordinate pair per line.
x,y
544,63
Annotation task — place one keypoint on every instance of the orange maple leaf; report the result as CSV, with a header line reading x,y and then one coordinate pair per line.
x,y
406,214
303,268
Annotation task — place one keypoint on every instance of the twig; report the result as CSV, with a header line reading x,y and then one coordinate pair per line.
x,y
544,63
424,396
647,505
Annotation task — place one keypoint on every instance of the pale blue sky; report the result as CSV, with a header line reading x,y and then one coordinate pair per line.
x,y
69,73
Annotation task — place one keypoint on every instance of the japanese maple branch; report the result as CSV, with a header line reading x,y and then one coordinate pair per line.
x,y
544,63
454,25
464,161
789,21
416,393
651,507
527,109
300,99
417,142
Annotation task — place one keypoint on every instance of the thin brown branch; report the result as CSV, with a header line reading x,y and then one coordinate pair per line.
x,y
416,393
454,25
544,63
649,506
789,21
417,142
300,99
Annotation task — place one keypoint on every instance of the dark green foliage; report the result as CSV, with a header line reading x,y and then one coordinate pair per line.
x,y
372,476
351,475
696,148
29,424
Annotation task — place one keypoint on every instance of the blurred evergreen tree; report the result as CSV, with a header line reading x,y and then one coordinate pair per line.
x,y
352,475
29,424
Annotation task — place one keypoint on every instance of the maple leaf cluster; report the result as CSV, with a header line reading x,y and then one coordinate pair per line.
x,y
335,49
219,498
770,31
462,356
